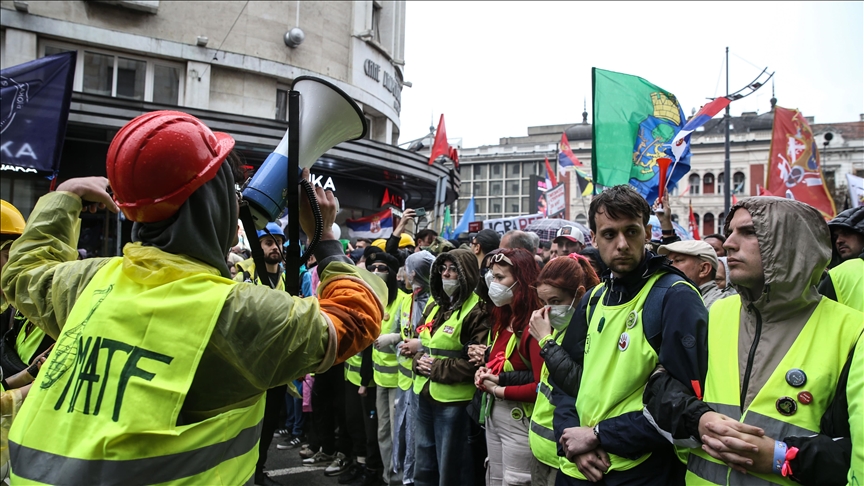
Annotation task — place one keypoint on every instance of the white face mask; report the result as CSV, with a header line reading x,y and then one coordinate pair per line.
x,y
383,275
560,315
450,286
501,295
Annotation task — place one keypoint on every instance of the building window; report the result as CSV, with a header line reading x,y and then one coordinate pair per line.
x,y
480,205
376,20
513,205
495,189
480,188
707,224
525,204
480,171
526,186
738,181
282,105
496,171
495,207
513,188
124,76
513,169
708,183
694,184
465,189
720,184
528,168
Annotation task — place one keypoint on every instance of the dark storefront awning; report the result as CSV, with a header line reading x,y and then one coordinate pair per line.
x,y
94,119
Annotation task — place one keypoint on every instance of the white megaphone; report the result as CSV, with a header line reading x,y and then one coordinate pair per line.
x,y
327,118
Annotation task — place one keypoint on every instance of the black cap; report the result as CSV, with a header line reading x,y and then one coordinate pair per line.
x,y
386,258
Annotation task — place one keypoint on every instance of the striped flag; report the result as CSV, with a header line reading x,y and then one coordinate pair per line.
x,y
566,157
550,176
682,139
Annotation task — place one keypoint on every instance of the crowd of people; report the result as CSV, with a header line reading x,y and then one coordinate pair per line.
x,y
600,358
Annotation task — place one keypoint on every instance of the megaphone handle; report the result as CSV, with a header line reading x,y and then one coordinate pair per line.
x,y
319,220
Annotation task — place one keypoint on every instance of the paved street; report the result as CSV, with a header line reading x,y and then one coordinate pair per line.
x,y
286,467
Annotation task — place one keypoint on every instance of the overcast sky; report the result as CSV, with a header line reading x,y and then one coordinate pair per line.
x,y
495,69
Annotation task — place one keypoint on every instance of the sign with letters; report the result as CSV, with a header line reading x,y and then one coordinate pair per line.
x,y
503,225
34,108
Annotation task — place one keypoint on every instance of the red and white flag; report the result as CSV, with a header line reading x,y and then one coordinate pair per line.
x,y
694,227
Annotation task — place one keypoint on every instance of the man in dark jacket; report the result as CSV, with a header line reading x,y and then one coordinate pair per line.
x,y
845,281
665,324
847,234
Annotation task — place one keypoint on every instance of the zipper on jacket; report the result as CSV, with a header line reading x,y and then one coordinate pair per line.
x,y
745,385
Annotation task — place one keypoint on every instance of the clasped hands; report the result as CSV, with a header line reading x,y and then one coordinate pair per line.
x,y
485,380
742,447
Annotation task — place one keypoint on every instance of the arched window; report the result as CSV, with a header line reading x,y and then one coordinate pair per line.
x,y
581,219
738,180
720,179
689,229
694,184
707,224
721,220
708,183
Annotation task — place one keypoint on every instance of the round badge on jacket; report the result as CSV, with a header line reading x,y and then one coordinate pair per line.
x,y
632,319
516,413
786,406
623,342
796,377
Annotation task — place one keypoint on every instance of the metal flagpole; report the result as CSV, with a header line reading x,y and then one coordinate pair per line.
x,y
727,166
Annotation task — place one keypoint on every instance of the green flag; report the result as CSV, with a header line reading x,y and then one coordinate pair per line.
x,y
446,223
633,120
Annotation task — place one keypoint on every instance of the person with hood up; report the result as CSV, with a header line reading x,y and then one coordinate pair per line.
x,y
845,282
417,268
443,376
774,408
176,356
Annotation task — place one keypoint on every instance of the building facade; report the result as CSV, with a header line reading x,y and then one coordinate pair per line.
x,y
230,64
498,176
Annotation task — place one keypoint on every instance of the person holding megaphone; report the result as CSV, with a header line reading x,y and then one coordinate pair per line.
x,y
176,357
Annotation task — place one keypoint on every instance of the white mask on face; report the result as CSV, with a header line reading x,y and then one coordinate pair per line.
x,y
501,295
383,275
560,315
450,286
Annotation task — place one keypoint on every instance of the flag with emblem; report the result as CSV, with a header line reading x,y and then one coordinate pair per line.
x,y
374,226
794,166
634,123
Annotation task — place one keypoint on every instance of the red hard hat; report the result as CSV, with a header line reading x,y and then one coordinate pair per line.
x,y
157,160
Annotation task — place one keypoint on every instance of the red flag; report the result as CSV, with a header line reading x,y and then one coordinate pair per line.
x,y
794,164
694,228
440,146
734,199
551,175
454,156
663,162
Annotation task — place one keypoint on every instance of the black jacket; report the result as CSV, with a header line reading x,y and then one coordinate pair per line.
x,y
681,345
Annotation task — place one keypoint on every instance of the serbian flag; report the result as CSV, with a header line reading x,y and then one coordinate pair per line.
x,y
550,176
694,227
378,225
440,147
794,167
682,139
566,158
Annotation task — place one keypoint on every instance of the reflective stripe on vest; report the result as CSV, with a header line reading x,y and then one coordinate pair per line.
x,y
808,353
405,379
616,341
49,468
105,408
541,437
848,280
384,360
447,343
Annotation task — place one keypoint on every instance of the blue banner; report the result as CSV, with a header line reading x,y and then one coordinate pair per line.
x,y
34,108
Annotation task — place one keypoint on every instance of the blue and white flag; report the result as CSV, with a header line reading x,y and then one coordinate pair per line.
x,y
682,138
34,108
467,217
378,225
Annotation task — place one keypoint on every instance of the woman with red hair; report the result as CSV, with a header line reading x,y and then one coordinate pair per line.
x,y
514,354
560,286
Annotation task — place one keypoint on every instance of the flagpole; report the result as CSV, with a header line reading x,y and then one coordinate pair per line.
x,y
727,166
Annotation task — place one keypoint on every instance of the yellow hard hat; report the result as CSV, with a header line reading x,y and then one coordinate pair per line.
x,y
380,243
11,221
406,240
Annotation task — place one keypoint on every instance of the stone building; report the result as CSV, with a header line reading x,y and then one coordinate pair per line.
x,y
498,176
231,64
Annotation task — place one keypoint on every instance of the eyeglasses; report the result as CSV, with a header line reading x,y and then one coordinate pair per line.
x,y
448,268
500,257
380,267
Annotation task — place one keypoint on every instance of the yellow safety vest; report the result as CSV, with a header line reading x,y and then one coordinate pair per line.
x,y
27,344
512,345
384,361
541,435
105,408
848,280
818,354
406,375
446,343
855,399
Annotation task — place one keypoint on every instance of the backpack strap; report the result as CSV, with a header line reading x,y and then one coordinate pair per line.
x,y
652,311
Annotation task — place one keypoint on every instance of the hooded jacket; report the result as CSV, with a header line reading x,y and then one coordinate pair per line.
x,y
794,243
851,219
475,325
